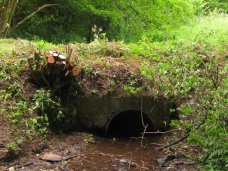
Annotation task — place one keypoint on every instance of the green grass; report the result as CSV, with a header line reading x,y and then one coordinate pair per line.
x,y
7,45
213,28
11,46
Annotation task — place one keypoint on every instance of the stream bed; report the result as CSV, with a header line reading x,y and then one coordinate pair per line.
x,y
88,152
119,154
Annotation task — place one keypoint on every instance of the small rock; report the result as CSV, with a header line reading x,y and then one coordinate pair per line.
x,y
169,168
51,157
44,163
11,169
133,164
160,161
123,161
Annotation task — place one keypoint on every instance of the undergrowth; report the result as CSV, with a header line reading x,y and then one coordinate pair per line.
x,y
18,107
192,71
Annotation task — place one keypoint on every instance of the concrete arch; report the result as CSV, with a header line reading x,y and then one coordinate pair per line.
x,y
98,112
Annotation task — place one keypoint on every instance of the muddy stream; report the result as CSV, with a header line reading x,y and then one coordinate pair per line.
x,y
88,152
119,154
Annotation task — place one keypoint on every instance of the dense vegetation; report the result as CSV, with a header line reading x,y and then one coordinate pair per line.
x,y
73,20
190,55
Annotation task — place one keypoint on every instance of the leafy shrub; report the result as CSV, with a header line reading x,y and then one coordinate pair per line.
x,y
73,21
193,74
220,5
199,6
47,105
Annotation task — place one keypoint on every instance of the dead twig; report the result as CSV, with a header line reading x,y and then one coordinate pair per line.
x,y
118,84
156,144
142,120
143,135
91,91
107,155
86,160
184,163
24,165
176,142
188,132
141,113
166,132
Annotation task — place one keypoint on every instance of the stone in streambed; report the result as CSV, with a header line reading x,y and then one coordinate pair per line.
x,y
51,157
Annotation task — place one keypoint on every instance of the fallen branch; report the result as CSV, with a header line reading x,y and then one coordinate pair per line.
x,y
162,132
156,144
24,165
86,160
107,155
188,133
143,135
184,163
176,142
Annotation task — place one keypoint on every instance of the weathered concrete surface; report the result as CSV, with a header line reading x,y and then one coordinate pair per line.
x,y
97,112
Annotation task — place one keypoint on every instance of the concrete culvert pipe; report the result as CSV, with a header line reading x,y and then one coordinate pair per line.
x,y
121,116
129,123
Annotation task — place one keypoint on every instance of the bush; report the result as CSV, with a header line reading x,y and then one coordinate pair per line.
x,y
47,104
74,19
193,72
220,5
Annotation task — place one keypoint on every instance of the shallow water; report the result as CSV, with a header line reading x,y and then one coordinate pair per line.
x,y
119,154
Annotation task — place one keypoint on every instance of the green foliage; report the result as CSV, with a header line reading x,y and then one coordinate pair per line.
x,y
12,147
73,20
42,46
47,105
17,111
132,90
199,6
192,71
20,111
39,123
213,133
219,5
30,118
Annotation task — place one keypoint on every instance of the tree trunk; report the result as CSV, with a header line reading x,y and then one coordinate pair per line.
x,y
6,14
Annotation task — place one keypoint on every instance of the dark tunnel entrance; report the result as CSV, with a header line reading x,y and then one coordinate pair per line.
x,y
128,124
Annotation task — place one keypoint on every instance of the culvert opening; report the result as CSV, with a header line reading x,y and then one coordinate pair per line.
x,y
128,124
